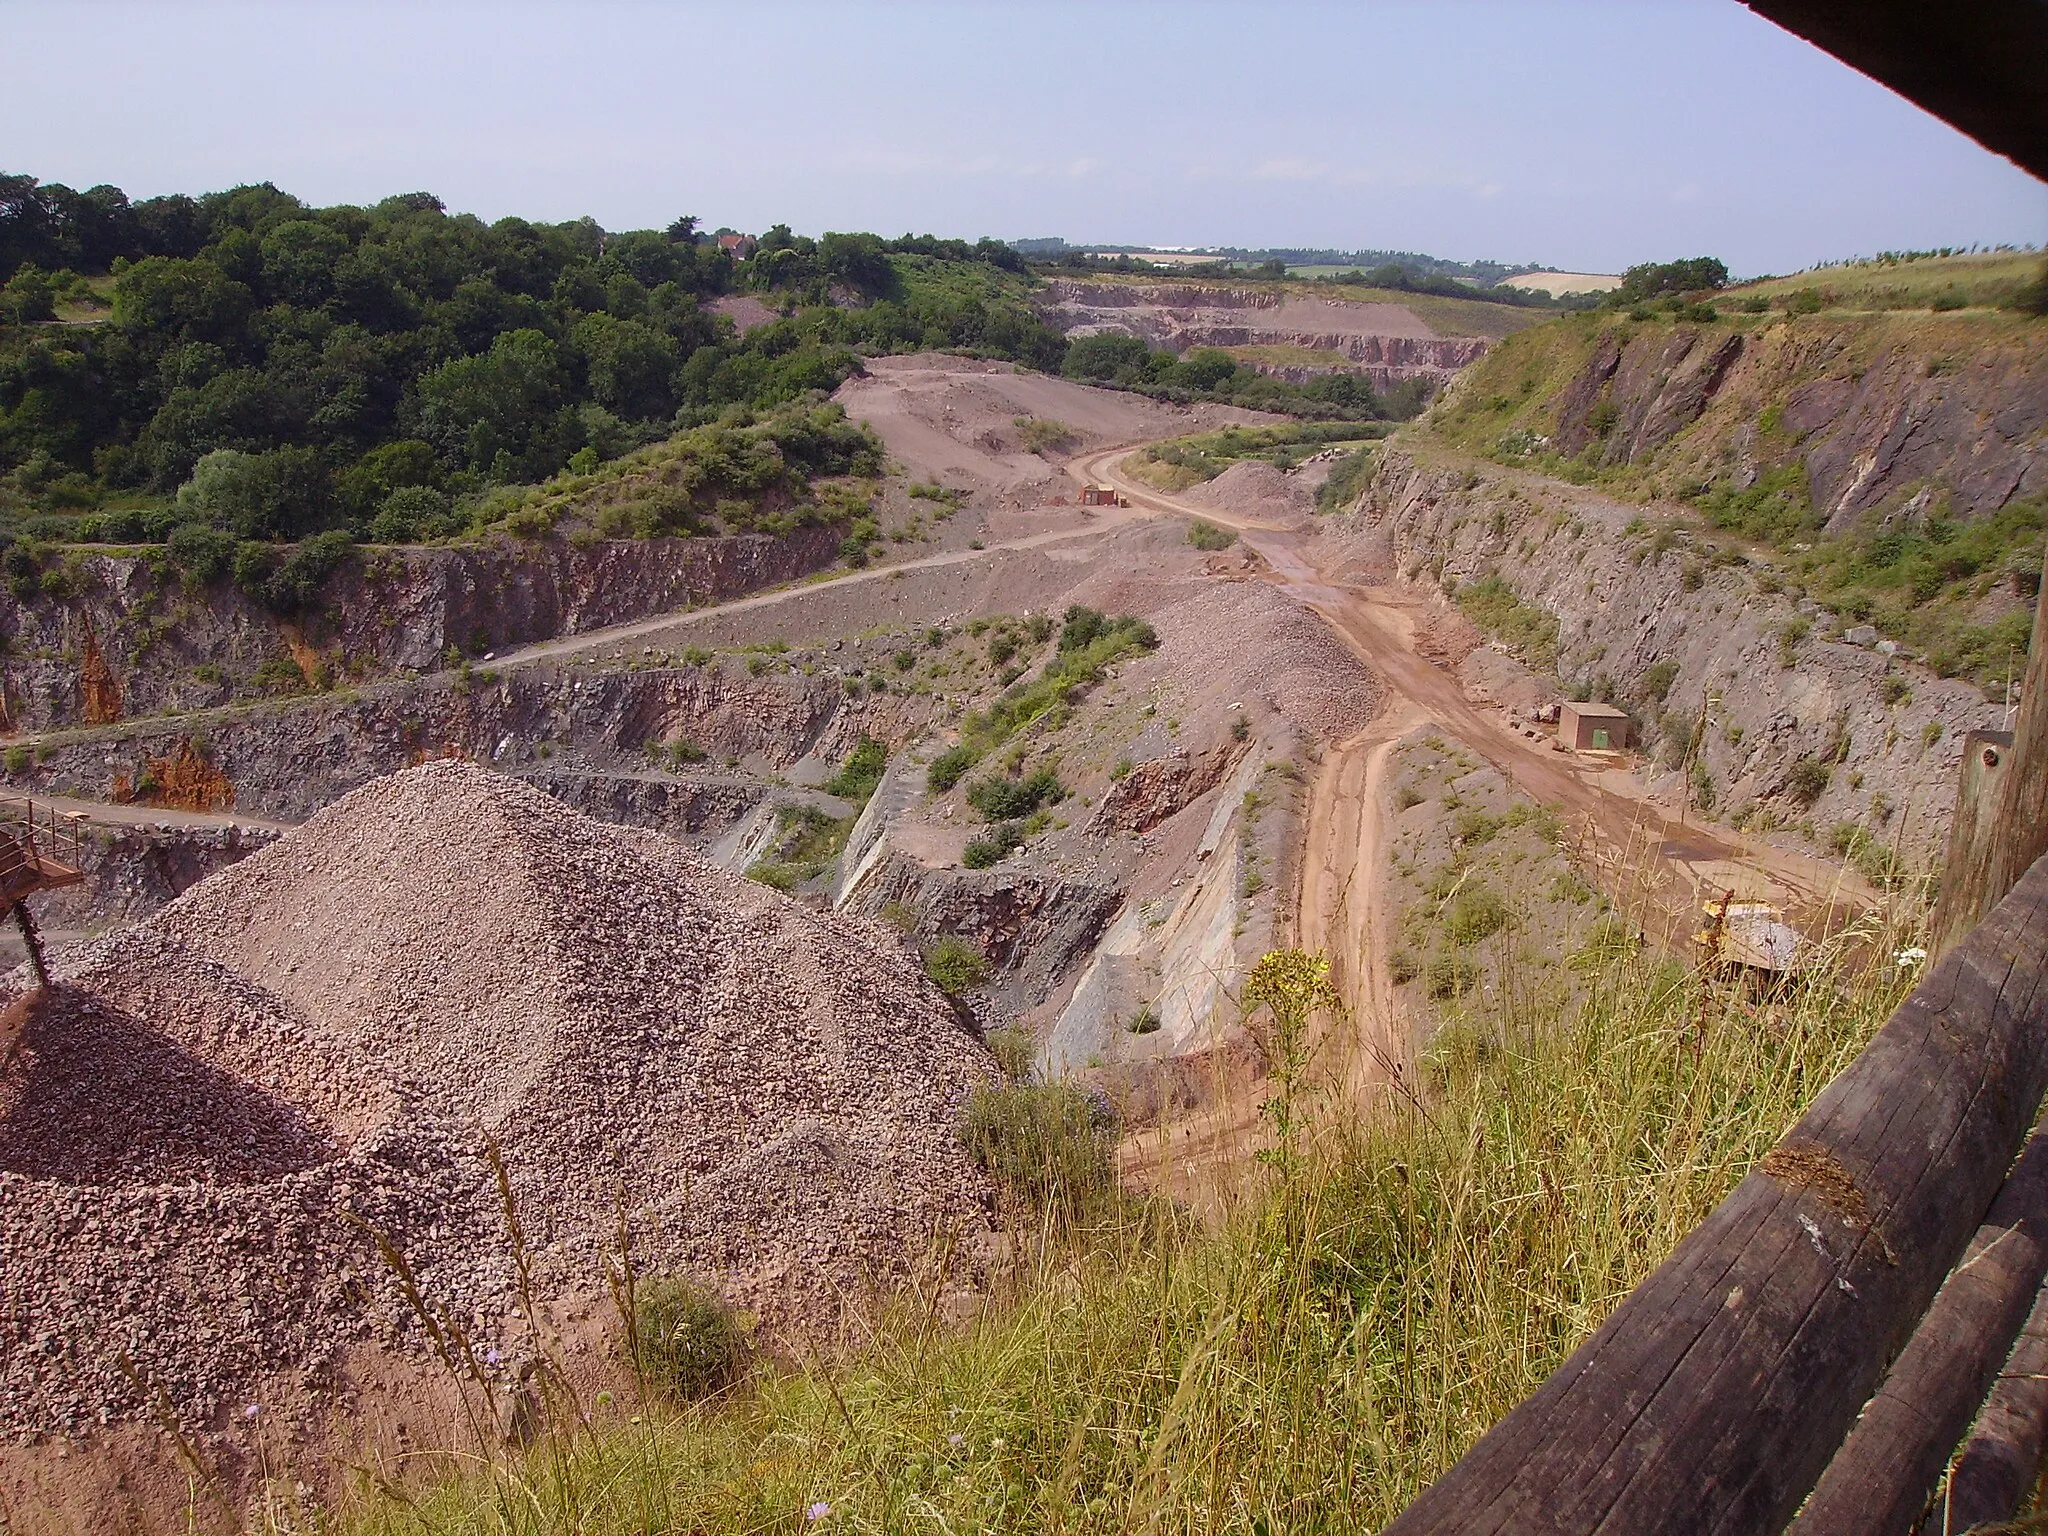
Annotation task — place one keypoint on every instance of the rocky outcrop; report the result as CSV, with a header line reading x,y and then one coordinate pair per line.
x,y
1030,925
129,873
126,629
1640,396
1155,790
288,761
1878,414
1980,431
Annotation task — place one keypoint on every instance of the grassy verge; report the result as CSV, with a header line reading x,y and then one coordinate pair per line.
x,y
1395,1288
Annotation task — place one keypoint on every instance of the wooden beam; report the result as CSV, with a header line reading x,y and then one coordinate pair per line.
x,y
1975,66
2002,1457
1879,1482
1715,1395
1983,868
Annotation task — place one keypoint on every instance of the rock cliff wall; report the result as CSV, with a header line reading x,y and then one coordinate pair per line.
x,y
129,638
1668,629
1878,413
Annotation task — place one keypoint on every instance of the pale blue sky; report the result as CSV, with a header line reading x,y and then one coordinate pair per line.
x,y
1583,134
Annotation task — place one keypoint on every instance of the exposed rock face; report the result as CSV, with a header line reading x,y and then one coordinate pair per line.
x,y
1387,343
132,871
1876,412
288,762
1623,606
1657,386
1030,925
1153,791
135,636
1978,431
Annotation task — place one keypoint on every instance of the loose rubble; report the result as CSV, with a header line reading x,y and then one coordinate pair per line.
x,y
218,1108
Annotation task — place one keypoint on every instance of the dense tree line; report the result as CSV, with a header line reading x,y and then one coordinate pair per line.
x,y
285,369
1661,279
1210,373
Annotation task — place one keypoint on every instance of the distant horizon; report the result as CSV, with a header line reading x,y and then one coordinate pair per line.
x,y
1582,135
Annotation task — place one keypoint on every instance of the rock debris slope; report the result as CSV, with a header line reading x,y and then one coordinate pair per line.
x,y
337,1026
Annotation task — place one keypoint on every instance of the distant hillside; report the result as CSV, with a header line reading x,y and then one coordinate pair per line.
x,y
1482,273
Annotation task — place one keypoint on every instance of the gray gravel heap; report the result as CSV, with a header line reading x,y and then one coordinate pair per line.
x,y
336,1026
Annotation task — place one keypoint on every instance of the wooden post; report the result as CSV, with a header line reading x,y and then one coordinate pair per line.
x,y
2002,1457
1980,872
1714,1397
33,943
1987,757
1879,1481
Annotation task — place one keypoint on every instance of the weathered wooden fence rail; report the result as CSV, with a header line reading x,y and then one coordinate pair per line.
x,y
1720,1391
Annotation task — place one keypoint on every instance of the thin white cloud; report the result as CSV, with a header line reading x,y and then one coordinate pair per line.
x,y
1289,169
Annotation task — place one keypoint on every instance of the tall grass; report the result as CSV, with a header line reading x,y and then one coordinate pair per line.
x,y
1360,1320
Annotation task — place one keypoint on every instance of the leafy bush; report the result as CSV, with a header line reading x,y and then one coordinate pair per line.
x,y
948,767
1807,780
1449,975
1475,912
986,852
1084,627
1494,606
413,513
862,771
806,843
1791,635
1657,681
290,582
1001,799
1347,481
686,1341
1052,1145
1042,436
1204,534
955,965
202,553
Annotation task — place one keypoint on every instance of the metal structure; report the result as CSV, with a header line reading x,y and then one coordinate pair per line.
x,y
41,849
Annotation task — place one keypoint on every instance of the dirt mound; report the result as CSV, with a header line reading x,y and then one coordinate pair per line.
x,y
215,1111
1254,488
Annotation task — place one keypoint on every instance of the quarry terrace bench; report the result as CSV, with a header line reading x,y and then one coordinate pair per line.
x,y
1813,1354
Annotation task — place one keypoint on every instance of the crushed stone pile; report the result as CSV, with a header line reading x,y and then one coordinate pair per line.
x,y
217,1109
1254,488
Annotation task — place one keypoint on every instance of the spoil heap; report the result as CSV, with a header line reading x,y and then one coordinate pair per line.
x,y
220,1105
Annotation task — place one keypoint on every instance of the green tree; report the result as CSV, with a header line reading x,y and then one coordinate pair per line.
x,y
299,261
160,300
281,494
1104,355
476,408
28,296
631,366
